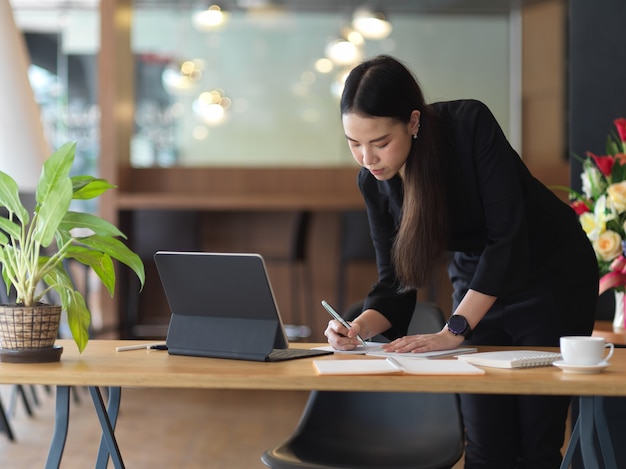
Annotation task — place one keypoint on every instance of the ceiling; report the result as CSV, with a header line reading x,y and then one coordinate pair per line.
x,y
394,6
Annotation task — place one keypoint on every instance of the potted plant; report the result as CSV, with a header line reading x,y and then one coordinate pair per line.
x,y
33,266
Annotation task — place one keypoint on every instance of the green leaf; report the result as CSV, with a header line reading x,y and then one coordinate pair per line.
x,y
51,212
618,173
86,220
117,250
58,279
7,280
11,228
10,198
79,182
78,319
54,193
78,316
56,168
62,237
88,187
612,147
101,264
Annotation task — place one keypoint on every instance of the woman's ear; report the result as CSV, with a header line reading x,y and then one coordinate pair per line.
x,y
414,122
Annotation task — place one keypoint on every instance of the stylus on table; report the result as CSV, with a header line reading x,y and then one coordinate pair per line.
x,y
338,317
124,348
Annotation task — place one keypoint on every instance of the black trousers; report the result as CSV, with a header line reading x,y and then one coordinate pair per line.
x,y
519,431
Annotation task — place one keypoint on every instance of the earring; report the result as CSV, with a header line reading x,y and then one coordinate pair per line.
x,y
415,134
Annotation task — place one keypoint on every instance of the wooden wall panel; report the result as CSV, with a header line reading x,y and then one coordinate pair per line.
x,y
544,93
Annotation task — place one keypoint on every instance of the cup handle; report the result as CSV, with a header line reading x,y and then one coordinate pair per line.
x,y
611,348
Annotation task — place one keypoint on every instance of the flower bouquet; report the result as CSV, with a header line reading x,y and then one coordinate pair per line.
x,y
601,207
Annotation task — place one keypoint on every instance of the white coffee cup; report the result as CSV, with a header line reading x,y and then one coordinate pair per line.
x,y
585,350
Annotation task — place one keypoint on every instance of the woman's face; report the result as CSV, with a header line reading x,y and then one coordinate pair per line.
x,y
380,144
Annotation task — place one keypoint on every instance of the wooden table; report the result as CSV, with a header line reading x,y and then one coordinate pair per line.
x,y
101,366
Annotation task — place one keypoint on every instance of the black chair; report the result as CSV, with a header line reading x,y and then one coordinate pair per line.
x,y
355,245
300,276
149,231
376,430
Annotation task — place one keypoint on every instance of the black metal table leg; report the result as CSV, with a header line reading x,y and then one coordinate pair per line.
x,y
5,426
587,427
602,429
108,419
571,447
61,421
591,418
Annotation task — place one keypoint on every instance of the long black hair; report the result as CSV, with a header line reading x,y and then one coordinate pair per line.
x,y
384,87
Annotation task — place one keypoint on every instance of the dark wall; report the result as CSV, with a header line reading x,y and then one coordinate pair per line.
x,y
597,75
597,95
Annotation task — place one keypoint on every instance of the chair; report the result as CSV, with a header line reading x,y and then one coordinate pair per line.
x,y
355,245
376,430
300,277
149,231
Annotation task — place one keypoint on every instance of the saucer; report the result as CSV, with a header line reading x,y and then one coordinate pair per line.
x,y
581,369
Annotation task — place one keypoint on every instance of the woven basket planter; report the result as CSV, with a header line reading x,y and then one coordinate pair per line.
x,y
29,332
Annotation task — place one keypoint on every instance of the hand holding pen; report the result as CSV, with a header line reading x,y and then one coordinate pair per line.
x,y
343,322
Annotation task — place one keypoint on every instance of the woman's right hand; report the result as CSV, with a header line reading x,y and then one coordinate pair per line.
x,y
340,337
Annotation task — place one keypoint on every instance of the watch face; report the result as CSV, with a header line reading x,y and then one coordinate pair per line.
x,y
458,324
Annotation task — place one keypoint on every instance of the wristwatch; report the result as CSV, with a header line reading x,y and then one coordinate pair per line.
x,y
458,325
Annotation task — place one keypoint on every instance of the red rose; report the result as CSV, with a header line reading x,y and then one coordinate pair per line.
x,y
620,123
579,207
604,163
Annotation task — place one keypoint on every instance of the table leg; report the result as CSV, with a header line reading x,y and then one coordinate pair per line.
x,y
590,417
61,421
5,426
587,427
606,445
108,419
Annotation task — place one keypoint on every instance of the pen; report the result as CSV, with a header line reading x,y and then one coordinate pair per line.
x,y
125,348
338,317
395,363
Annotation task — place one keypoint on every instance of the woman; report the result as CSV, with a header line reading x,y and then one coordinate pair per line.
x,y
442,180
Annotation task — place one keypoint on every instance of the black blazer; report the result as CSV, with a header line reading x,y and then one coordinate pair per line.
x,y
508,233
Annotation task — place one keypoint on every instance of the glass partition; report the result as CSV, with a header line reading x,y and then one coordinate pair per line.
x,y
259,90
255,92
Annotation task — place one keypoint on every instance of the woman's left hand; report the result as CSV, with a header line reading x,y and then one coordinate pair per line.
x,y
443,340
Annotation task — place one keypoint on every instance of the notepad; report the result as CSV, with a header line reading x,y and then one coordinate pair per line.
x,y
433,354
395,365
511,358
358,350
376,349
